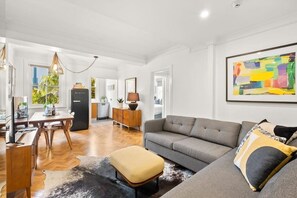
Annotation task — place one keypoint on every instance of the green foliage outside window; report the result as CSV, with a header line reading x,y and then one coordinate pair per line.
x,y
47,90
93,88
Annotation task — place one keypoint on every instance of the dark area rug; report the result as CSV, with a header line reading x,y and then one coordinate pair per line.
x,y
95,177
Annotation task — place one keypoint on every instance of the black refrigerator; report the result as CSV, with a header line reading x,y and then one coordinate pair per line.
x,y
80,107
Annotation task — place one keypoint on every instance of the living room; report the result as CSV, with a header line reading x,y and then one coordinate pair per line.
x,y
193,44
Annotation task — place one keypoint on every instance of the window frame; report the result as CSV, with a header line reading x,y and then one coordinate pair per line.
x,y
62,95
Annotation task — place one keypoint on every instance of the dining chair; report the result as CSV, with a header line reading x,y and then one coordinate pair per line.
x,y
45,132
52,127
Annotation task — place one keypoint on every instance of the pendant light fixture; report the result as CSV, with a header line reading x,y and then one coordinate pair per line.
x,y
56,67
3,58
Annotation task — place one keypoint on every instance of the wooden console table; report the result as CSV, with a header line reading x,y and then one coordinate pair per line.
x,y
127,117
21,161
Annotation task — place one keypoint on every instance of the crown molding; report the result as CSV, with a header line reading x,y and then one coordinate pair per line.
x,y
103,62
200,47
258,29
168,51
2,28
248,31
21,32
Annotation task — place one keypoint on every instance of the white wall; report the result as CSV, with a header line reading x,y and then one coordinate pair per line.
x,y
2,18
200,90
193,91
101,88
2,90
112,94
190,75
3,86
277,113
25,56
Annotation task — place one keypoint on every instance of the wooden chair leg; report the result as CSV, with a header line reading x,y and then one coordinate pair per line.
x,y
65,128
46,138
52,137
68,138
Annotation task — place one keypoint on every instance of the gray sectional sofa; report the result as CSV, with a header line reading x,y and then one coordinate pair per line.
x,y
208,147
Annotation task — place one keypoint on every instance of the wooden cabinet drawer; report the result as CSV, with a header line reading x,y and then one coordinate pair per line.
x,y
127,117
126,121
21,161
117,115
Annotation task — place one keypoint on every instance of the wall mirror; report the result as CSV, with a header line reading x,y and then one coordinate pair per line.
x,y
130,86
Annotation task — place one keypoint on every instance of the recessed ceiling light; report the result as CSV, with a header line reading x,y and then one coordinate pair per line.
x,y
236,3
204,14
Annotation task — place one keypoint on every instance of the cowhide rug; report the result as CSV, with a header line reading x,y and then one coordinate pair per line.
x,y
95,177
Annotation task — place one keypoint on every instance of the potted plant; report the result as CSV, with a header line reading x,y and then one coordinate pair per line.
x,y
120,101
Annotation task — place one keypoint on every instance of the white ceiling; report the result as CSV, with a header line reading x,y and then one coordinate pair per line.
x,y
27,49
138,30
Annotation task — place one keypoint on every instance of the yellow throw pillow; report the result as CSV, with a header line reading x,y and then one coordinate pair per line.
x,y
269,134
260,157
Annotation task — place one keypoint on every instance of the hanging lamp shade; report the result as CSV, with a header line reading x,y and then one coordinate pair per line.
x,y
3,58
56,67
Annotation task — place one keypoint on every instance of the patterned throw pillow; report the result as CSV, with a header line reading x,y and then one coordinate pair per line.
x,y
261,157
288,132
277,138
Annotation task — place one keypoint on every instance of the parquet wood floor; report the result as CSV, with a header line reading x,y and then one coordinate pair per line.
x,y
2,164
100,140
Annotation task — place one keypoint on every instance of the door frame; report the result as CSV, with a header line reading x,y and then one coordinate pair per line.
x,y
169,107
89,87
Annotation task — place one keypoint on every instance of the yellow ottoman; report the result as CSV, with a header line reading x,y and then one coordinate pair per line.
x,y
137,165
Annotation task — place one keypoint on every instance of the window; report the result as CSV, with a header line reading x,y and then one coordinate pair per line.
x,y
93,88
45,86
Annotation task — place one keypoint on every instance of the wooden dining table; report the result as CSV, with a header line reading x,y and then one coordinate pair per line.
x,y
39,120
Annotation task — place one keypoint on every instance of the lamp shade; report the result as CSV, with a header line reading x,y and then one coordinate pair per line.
x,y
55,66
133,97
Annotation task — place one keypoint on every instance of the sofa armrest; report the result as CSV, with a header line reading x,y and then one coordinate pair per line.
x,y
154,125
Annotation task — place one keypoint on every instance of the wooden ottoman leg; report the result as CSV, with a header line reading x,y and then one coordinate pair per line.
x,y
116,174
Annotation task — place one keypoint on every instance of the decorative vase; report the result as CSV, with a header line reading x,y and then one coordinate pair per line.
x,y
120,105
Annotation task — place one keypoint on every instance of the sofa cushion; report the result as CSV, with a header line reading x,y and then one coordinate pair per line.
x,y
246,126
164,138
200,149
220,179
261,157
179,124
293,143
225,133
283,184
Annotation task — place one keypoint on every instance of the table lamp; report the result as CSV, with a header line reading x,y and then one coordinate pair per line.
x,y
133,97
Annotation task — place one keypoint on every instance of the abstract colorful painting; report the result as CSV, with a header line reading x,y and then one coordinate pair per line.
x,y
274,75
267,75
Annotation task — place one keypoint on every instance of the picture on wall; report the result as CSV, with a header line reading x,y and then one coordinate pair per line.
x,y
267,75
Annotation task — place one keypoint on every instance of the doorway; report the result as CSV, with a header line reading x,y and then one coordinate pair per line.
x,y
104,93
161,93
